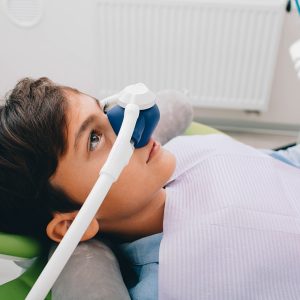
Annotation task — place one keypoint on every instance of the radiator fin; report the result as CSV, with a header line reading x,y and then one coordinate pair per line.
x,y
222,54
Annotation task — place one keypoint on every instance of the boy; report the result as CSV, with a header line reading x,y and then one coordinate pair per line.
x,y
229,213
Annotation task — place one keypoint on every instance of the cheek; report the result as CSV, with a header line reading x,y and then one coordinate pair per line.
x,y
128,194
142,179
89,173
136,186
82,179
131,179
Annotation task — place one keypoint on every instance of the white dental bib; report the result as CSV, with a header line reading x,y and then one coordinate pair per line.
x,y
231,224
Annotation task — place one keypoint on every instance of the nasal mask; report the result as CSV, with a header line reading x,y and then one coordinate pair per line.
x,y
133,117
148,117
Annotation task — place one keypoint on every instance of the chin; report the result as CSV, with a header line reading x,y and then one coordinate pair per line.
x,y
169,163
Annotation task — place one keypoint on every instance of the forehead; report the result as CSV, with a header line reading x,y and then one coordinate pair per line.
x,y
80,107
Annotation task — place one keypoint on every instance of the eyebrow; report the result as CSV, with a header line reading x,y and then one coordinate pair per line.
x,y
85,125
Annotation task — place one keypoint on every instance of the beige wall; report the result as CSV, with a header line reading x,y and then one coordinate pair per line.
x,y
284,106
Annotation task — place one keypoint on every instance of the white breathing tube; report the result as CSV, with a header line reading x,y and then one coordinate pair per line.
x,y
118,158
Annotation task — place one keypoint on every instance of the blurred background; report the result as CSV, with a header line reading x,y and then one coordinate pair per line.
x,y
231,57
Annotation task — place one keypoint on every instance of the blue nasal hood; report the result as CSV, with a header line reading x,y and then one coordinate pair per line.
x,y
145,124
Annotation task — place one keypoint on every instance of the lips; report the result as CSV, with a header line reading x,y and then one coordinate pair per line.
x,y
154,148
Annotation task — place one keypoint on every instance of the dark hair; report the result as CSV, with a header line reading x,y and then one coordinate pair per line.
x,y
33,133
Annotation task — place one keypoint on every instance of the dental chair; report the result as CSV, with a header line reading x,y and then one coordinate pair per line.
x,y
21,249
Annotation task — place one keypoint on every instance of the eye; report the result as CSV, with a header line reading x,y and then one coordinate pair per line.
x,y
105,108
94,140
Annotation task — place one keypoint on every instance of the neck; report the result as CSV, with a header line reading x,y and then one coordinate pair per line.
x,y
146,222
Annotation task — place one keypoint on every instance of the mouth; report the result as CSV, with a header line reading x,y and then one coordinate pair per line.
x,y
153,150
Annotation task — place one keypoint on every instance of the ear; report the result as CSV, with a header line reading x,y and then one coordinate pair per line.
x,y
59,225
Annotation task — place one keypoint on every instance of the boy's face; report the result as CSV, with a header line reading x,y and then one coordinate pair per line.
x,y
90,138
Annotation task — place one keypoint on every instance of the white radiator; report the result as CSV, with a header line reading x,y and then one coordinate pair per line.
x,y
221,52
